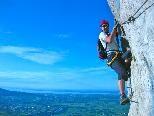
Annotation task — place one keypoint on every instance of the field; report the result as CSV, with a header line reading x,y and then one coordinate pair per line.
x,y
64,104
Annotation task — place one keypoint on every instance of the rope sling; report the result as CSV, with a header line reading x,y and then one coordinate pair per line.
x,y
133,18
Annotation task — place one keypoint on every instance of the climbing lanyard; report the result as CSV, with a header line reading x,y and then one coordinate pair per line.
x,y
133,18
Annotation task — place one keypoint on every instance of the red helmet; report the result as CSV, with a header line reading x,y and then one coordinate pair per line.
x,y
104,22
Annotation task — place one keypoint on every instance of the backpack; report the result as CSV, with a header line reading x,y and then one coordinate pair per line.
x,y
102,54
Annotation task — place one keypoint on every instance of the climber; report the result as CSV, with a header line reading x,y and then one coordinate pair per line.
x,y
108,41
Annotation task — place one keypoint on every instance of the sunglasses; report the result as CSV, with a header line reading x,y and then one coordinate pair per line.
x,y
105,25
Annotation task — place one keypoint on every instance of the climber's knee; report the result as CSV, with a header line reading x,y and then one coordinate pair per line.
x,y
123,75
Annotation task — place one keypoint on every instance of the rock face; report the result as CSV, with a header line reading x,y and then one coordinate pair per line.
x,y
140,35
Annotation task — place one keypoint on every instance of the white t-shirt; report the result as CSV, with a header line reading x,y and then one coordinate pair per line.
x,y
110,46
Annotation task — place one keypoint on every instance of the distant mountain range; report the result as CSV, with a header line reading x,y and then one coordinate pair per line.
x,y
55,91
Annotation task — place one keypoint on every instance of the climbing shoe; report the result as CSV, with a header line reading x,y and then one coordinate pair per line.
x,y
124,99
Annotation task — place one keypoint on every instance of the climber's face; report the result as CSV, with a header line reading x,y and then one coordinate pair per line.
x,y
105,28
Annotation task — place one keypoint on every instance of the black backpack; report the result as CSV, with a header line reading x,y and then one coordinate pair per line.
x,y
102,54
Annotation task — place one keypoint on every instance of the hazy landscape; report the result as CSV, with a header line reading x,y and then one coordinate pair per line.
x,y
61,103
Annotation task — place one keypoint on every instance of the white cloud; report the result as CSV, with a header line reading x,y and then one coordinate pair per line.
x,y
95,69
33,54
5,31
66,74
91,77
23,75
62,36
8,32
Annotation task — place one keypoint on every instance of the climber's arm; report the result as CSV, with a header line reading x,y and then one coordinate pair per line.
x,y
110,38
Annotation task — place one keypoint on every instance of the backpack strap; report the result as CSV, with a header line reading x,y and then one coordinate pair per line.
x,y
106,46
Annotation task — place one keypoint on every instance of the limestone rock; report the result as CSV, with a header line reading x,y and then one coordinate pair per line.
x,y
140,35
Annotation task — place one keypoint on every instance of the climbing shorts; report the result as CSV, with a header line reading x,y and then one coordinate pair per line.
x,y
118,66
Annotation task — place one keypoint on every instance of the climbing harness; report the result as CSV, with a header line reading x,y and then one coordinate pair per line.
x,y
113,59
133,18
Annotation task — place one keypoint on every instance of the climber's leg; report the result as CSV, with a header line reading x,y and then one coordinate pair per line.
x,y
121,85
120,69
123,98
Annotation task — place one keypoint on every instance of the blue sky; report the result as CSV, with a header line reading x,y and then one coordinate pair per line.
x,y
51,44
